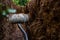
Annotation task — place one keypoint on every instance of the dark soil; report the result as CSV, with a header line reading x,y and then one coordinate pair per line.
x,y
45,19
44,22
9,31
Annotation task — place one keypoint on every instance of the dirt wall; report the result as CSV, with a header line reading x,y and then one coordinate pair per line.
x,y
45,19
43,24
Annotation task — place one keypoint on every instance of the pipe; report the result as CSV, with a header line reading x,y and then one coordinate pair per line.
x,y
23,31
18,18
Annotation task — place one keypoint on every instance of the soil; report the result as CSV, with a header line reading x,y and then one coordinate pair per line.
x,y
44,23
9,31
45,19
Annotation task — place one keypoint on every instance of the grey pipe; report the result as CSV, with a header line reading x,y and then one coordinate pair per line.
x,y
23,31
18,18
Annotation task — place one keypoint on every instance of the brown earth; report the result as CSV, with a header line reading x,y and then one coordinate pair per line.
x,y
45,19
44,22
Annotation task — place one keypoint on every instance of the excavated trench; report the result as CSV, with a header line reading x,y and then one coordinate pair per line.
x,y
44,23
